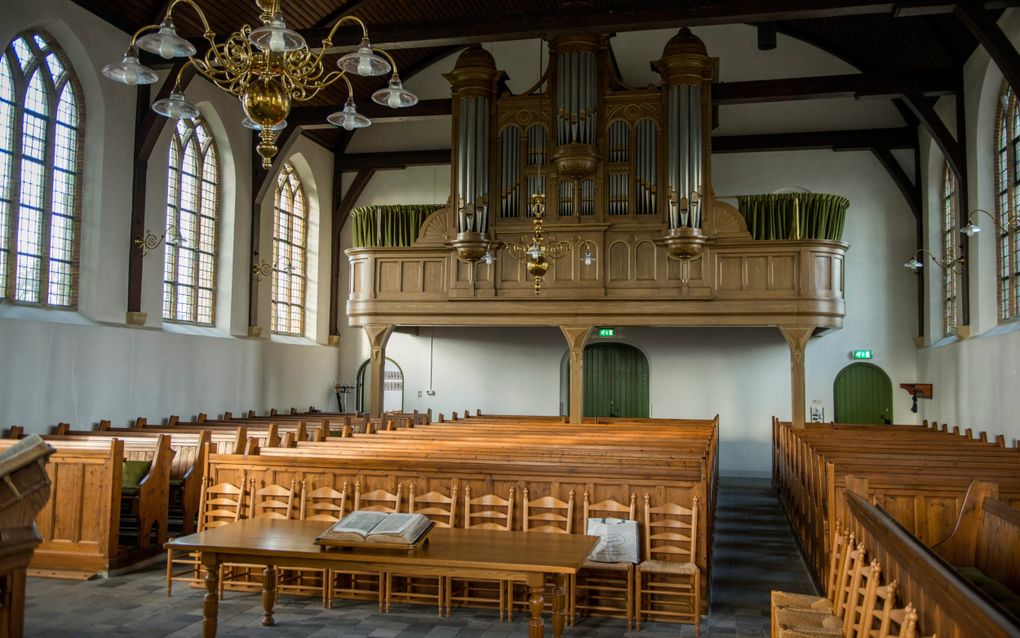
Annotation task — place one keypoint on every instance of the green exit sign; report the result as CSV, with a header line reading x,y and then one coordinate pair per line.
x,y
607,332
860,354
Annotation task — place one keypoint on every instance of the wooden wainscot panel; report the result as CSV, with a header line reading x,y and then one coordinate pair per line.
x,y
434,278
388,277
756,273
619,262
357,284
783,272
645,258
730,269
411,276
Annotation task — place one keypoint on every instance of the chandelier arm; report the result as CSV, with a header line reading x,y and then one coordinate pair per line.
x,y
1011,219
148,27
328,40
389,57
201,16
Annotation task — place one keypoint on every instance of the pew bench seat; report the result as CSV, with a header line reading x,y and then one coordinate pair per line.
x,y
1001,594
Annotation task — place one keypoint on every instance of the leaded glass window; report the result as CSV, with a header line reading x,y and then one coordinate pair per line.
x,y
290,222
950,233
189,272
1007,202
42,117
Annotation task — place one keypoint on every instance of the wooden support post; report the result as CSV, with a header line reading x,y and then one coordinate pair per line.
x,y
577,337
797,338
378,334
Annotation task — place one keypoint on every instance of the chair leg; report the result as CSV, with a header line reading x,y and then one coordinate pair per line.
x,y
638,599
440,589
697,604
169,570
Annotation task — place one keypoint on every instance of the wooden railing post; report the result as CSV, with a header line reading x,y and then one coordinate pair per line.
x,y
378,335
797,338
577,337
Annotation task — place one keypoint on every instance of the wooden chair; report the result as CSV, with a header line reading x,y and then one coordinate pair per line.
x,y
366,585
668,579
266,502
483,512
221,504
842,544
605,588
848,613
322,504
543,515
442,510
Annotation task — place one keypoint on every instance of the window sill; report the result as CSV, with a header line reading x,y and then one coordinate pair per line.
x,y
291,340
948,340
1005,327
191,329
9,310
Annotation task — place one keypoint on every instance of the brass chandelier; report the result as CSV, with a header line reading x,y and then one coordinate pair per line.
x,y
537,251
267,68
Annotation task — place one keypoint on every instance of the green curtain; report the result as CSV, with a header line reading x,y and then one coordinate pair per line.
x,y
822,216
393,225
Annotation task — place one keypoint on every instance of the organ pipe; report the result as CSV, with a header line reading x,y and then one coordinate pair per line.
x,y
686,70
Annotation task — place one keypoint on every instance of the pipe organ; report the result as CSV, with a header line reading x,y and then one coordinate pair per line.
x,y
627,227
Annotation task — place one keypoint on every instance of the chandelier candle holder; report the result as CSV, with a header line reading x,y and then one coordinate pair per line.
x,y
151,240
538,251
686,71
916,264
267,68
264,269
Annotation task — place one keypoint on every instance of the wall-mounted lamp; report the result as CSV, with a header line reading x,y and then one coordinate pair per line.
x,y
151,240
916,264
972,229
259,272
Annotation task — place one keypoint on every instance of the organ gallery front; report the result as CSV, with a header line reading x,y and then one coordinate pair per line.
x,y
585,201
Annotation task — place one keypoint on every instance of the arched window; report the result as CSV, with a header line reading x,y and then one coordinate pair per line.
x,y
42,116
1007,204
950,233
189,273
290,222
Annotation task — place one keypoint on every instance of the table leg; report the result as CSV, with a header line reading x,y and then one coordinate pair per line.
x,y
559,603
268,595
211,602
536,583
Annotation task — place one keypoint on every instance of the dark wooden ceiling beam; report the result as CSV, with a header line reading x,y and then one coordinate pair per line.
x,y
999,48
933,124
638,16
927,83
902,180
389,160
341,210
847,140
315,116
346,9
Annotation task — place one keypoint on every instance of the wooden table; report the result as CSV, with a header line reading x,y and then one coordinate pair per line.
x,y
460,553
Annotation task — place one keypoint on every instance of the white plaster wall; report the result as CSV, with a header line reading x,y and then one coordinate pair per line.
x,y
974,379
84,366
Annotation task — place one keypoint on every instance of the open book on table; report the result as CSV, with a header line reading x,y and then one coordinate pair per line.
x,y
377,527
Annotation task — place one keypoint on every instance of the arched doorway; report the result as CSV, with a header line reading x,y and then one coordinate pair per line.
x,y
615,381
393,388
862,393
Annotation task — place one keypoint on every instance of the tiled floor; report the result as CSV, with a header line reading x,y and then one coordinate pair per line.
x,y
754,553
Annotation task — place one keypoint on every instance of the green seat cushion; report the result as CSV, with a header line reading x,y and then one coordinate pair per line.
x,y
1004,596
133,473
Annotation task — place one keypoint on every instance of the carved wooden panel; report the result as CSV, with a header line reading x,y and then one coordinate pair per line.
x,y
731,272
357,272
783,272
756,273
645,260
388,276
823,274
619,261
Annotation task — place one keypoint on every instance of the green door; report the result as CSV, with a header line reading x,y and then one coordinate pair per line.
x,y
615,381
863,394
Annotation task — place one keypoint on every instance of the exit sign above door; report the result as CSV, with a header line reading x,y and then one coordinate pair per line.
x,y
860,354
607,332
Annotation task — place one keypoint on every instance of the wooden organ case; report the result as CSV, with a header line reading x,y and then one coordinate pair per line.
x,y
626,175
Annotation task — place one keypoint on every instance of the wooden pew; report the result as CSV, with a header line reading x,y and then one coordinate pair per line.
x,y
947,604
669,462
985,545
80,524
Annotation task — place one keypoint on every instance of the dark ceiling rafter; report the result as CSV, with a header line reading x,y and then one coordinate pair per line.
x,y
844,140
341,211
871,85
315,116
346,9
636,16
993,40
900,177
390,160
